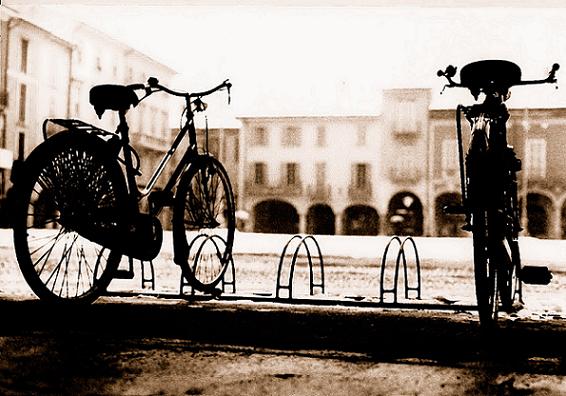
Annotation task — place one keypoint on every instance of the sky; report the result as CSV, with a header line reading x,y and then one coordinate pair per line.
x,y
331,58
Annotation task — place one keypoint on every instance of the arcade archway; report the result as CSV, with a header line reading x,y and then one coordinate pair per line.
x,y
321,220
276,217
538,215
360,220
405,215
448,225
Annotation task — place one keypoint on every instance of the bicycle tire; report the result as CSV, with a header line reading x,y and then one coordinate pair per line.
x,y
485,269
483,221
509,281
67,183
204,223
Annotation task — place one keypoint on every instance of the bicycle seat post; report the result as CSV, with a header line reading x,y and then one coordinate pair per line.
x,y
123,130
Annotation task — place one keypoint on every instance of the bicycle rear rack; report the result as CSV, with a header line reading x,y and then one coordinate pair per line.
x,y
77,125
302,242
400,256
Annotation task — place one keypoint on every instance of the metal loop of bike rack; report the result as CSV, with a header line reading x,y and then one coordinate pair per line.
x,y
150,280
224,282
302,242
400,256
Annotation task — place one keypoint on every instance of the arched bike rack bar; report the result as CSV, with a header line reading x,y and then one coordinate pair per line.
x,y
147,280
408,288
400,256
302,242
213,238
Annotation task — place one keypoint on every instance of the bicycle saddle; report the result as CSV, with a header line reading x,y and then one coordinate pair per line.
x,y
112,97
498,75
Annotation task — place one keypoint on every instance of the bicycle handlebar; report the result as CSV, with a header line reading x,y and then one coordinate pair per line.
x,y
153,83
450,72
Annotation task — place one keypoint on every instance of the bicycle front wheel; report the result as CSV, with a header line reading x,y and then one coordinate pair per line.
x,y
69,200
204,222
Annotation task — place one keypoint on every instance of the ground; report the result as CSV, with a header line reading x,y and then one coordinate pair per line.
x,y
148,345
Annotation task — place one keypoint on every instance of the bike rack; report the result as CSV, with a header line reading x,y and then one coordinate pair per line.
x,y
400,255
147,280
302,242
231,269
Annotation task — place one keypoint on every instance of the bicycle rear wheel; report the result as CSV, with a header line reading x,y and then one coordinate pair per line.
x,y
485,268
204,222
70,198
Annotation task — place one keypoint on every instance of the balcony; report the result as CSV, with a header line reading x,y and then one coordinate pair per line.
x,y
319,192
264,190
405,175
360,193
404,132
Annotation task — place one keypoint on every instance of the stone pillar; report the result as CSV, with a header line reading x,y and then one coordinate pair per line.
x,y
338,222
555,222
302,223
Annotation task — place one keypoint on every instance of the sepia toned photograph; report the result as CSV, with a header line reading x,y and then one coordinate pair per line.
x,y
226,197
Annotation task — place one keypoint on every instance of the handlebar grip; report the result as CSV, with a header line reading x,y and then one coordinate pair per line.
x,y
153,82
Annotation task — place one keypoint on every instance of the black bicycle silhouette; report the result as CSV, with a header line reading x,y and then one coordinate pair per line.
x,y
77,203
489,185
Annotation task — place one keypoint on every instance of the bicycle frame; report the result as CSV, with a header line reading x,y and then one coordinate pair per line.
x,y
189,156
494,116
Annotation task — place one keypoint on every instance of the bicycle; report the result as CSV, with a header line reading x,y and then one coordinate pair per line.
x,y
488,178
77,203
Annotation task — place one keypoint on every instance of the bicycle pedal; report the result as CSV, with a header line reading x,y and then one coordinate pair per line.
x,y
535,275
123,274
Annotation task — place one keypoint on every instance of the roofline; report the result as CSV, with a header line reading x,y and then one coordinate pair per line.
x,y
511,109
37,26
126,47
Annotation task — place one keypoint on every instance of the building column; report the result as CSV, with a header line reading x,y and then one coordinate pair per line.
x,y
302,222
338,223
555,222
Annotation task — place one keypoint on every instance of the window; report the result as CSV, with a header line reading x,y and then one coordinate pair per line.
x,y
259,137
406,116
449,156
361,136
321,136
361,175
22,104
259,173
291,137
535,158
24,47
292,173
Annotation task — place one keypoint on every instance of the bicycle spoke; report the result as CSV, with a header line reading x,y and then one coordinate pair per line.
x,y
48,253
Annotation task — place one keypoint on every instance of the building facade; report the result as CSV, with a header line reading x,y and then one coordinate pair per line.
x,y
35,75
356,175
538,137
48,75
389,174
